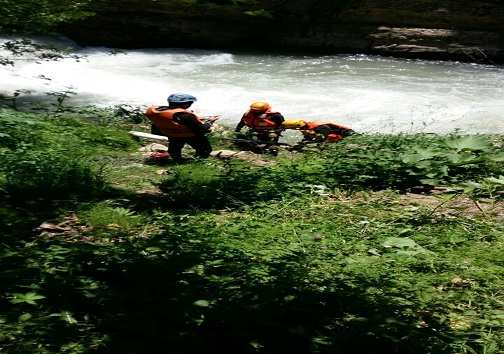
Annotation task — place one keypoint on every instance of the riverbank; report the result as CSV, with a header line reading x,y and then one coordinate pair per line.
x,y
109,250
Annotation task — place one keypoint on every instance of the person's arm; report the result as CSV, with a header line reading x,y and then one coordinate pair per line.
x,y
277,118
194,124
348,132
341,130
323,130
240,125
155,130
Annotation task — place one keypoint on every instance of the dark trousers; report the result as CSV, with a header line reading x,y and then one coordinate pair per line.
x,y
264,135
199,143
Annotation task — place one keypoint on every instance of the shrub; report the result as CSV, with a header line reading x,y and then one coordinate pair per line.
x,y
51,174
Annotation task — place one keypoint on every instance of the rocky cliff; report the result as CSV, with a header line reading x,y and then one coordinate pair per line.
x,y
430,29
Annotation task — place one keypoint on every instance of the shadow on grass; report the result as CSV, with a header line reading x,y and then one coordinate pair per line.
x,y
159,295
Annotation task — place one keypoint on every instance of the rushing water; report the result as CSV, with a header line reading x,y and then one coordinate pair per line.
x,y
367,93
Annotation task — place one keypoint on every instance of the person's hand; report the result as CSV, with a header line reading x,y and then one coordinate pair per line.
x,y
210,119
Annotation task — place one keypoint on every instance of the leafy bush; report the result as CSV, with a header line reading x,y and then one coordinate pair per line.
x,y
361,163
229,184
384,161
51,174
44,156
18,128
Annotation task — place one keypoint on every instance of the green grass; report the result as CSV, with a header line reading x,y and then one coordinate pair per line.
x,y
319,251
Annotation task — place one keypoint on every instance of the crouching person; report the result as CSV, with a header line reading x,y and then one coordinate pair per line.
x,y
262,121
317,132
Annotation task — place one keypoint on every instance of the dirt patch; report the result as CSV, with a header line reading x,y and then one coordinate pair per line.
x,y
459,205
66,227
253,158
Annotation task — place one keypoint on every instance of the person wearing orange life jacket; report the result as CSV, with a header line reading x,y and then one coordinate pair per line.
x,y
181,126
262,122
318,131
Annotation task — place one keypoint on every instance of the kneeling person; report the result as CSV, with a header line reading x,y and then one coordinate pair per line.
x,y
262,121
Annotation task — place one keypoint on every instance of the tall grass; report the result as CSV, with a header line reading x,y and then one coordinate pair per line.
x,y
45,156
313,253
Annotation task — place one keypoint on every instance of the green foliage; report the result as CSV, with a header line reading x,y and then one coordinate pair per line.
x,y
406,161
261,13
121,114
212,3
33,174
383,162
53,156
245,4
306,277
28,16
112,221
468,143
229,184
16,128
29,298
295,255
27,49
57,129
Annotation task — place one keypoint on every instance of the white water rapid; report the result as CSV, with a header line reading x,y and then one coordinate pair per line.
x,y
366,93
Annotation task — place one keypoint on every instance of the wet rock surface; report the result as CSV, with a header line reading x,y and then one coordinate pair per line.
x,y
427,29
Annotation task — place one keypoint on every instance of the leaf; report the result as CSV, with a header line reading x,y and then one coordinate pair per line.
x,y
437,171
405,245
30,298
498,157
461,159
201,303
407,253
373,251
421,154
470,187
24,317
468,143
400,242
288,298
494,180
260,13
68,318
430,181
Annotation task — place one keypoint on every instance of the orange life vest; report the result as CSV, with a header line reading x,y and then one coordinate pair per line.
x,y
163,119
260,122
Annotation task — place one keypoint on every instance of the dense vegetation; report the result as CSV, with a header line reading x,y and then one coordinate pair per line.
x,y
313,251
22,18
105,250
41,16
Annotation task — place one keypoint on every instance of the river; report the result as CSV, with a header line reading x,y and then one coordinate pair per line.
x,y
366,93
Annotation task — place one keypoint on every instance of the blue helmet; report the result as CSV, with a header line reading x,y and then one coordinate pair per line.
x,y
181,98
